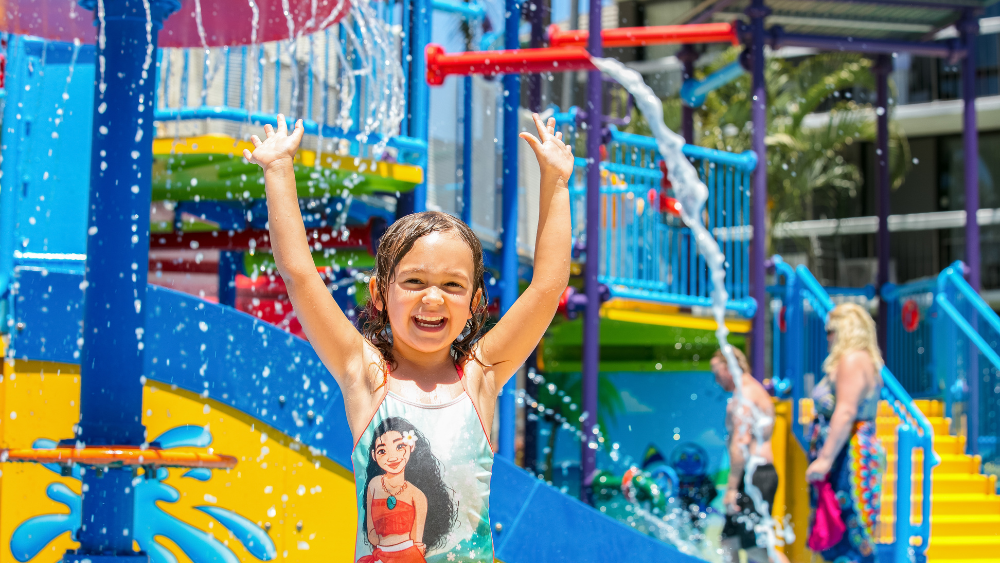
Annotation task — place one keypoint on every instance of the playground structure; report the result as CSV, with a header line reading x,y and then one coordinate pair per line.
x,y
202,363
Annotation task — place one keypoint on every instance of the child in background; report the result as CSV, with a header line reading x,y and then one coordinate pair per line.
x,y
421,375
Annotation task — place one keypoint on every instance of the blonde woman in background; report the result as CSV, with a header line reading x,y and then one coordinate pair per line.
x,y
843,446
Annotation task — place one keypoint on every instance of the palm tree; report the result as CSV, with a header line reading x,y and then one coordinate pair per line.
x,y
806,161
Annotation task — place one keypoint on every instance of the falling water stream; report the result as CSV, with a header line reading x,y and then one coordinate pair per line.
x,y
692,194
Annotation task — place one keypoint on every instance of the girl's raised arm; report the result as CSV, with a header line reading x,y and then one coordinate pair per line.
x,y
505,347
338,343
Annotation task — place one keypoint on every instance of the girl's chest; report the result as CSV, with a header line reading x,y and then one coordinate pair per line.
x,y
437,395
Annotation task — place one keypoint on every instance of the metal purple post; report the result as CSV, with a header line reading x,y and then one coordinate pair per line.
x,y
757,12
970,136
688,56
883,66
969,28
591,317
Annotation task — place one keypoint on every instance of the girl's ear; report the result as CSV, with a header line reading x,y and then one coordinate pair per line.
x,y
373,293
474,305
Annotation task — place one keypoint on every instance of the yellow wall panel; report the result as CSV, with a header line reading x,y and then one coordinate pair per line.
x,y
305,502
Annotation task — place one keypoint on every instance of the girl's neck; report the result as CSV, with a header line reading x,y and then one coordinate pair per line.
x,y
408,359
394,480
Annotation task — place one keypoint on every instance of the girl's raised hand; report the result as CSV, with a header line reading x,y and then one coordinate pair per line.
x,y
554,156
279,147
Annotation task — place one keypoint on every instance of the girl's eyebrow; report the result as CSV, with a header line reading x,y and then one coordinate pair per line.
x,y
454,273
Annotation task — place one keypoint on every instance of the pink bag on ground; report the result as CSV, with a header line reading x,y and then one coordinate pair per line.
x,y
828,528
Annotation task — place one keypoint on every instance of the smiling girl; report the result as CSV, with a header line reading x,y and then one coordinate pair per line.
x,y
421,357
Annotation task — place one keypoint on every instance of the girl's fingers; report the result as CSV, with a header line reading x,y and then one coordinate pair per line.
x,y
543,131
255,140
299,131
551,125
559,136
247,155
533,142
268,130
282,126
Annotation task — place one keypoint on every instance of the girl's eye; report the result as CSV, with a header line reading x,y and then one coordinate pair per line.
x,y
380,451
454,284
399,447
413,280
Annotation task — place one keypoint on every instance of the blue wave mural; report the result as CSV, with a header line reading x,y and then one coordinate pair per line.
x,y
31,537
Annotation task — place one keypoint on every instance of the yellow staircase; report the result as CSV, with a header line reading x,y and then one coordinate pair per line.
x,y
965,509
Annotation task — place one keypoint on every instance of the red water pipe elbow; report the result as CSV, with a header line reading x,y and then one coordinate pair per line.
x,y
515,61
653,35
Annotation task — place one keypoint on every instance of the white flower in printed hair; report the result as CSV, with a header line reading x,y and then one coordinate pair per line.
x,y
410,438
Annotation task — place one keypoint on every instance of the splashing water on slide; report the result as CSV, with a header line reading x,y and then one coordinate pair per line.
x,y
692,194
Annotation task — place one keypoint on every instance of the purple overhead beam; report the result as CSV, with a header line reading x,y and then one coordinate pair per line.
x,y
776,37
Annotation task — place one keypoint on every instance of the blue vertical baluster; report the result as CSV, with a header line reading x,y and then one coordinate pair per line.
x,y
243,77
225,78
309,78
184,78
277,77
260,79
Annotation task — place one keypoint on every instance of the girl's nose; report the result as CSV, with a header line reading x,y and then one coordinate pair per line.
x,y
433,297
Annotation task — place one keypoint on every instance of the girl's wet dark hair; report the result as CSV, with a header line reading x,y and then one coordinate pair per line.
x,y
395,244
423,471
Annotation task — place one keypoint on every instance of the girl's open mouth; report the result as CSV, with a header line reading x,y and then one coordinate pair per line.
x,y
430,323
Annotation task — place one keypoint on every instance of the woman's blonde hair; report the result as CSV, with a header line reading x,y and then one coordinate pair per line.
x,y
853,329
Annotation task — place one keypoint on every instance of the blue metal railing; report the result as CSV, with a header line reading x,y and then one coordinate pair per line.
x,y
803,297
966,339
909,353
650,255
255,91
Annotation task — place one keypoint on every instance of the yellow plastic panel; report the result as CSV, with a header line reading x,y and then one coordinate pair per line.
x,y
305,502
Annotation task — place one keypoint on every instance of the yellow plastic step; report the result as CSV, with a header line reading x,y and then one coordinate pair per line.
x,y
986,525
950,463
886,426
965,548
944,483
928,407
947,505
943,444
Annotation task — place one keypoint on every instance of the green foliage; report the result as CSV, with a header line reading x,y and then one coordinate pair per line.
x,y
804,163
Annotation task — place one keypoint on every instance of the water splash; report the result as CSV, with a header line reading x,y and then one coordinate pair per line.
x,y
32,535
692,194
249,534
191,436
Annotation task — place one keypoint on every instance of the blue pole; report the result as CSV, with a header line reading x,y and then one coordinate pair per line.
x,y
229,266
508,248
904,490
419,94
117,263
757,12
591,316
467,151
969,27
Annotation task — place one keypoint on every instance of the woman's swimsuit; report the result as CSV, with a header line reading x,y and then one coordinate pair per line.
x,y
450,463
856,474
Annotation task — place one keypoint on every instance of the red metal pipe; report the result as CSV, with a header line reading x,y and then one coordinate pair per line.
x,y
654,35
514,61
358,236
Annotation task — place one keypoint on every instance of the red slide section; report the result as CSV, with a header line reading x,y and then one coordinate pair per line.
x,y
354,236
654,35
514,61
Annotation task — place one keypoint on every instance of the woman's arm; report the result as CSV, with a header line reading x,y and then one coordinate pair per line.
x,y
335,339
851,387
739,437
508,344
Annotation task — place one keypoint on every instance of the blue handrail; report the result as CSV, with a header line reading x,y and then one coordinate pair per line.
x,y
801,286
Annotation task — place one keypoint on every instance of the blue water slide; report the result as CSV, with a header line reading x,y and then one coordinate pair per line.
x,y
235,359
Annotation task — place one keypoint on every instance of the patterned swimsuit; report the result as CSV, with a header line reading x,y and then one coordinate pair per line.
x,y
438,461
856,474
